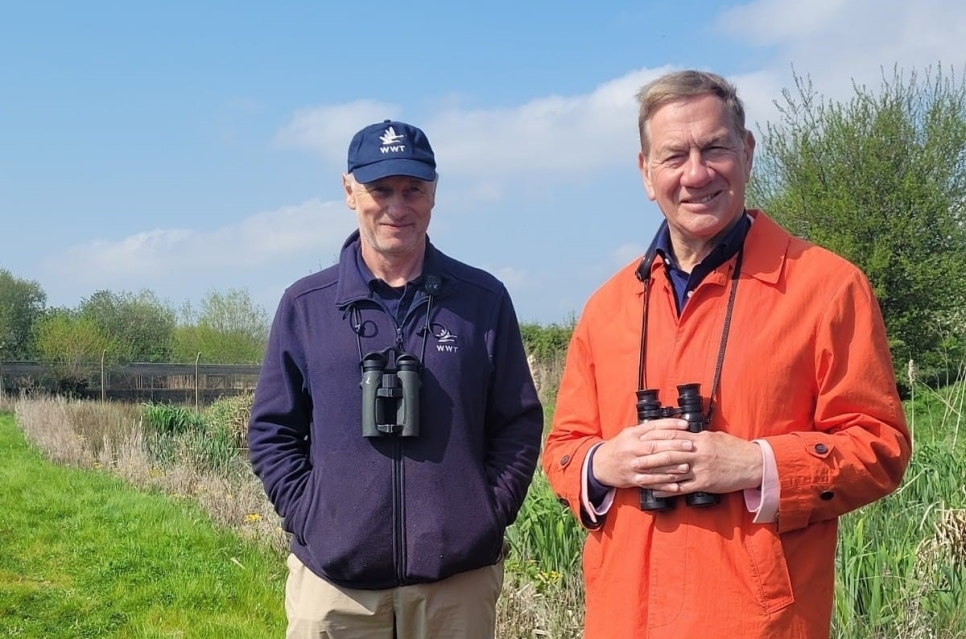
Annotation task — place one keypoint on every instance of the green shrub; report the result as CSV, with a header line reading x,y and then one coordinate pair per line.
x,y
168,419
212,448
545,539
231,414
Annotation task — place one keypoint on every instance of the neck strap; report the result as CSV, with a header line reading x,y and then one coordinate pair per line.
x,y
735,274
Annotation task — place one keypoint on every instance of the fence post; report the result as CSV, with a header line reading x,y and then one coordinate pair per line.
x,y
103,379
197,380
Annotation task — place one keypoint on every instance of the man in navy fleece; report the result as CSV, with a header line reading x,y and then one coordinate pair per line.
x,y
395,424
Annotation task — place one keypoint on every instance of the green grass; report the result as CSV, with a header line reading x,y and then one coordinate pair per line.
x,y
82,554
901,563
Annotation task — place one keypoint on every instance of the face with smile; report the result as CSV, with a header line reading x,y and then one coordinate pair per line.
x,y
696,169
394,214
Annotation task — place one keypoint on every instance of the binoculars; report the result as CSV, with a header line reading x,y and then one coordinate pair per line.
x,y
689,407
390,398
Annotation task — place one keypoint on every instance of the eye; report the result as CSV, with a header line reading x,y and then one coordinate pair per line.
x,y
413,191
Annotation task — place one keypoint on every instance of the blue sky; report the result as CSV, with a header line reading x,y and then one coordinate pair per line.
x,y
189,147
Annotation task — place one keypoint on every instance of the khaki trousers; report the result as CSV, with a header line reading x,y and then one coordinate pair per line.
x,y
460,607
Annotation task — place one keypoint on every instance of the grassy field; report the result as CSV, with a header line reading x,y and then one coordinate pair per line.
x,y
188,546
84,554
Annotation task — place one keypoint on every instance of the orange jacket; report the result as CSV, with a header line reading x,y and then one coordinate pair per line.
x,y
807,367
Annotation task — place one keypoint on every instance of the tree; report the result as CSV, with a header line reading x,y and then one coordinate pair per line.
x,y
72,346
140,327
881,180
22,303
227,329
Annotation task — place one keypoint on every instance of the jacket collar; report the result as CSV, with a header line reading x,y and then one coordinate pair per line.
x,y
765,250
355,276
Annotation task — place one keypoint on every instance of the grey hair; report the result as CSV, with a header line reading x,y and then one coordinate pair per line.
x,y
679,85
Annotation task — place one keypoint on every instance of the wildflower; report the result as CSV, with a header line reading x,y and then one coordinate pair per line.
x,y
251,518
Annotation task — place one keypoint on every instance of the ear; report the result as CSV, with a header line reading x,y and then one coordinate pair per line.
x,y
749,149
645,175
350,195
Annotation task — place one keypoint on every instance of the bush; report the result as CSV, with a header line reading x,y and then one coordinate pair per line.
x,y
167,419
231,415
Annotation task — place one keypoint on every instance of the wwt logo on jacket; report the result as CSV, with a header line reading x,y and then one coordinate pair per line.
x,y
445,341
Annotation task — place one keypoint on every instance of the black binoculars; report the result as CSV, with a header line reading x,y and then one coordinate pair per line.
x,y
689,408
390,398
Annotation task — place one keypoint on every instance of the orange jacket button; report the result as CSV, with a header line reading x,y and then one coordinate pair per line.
x,y
825,495
565,460
821,449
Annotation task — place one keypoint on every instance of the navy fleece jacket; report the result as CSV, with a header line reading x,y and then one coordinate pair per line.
x,y
379,512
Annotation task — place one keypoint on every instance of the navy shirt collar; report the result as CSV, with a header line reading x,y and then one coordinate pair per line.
x,y
354,276
397,300
682,282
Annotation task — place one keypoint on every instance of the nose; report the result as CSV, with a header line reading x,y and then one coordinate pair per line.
x,y
396,205
696,170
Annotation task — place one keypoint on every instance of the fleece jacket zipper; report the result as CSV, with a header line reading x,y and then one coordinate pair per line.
x,y
399,511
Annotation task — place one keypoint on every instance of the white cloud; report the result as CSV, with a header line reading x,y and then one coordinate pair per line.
x,y
776,22
309,229
837,41
554,141
831,41
328,129
552,134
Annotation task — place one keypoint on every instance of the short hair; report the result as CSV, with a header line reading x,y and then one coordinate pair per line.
x,y
680,85
352,178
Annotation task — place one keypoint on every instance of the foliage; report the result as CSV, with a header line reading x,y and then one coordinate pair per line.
x,y
169,419
881,180
546,348
228,329
231,415
545,539
140,327
546,343
209,439
215,346
22,303
70,345
901,563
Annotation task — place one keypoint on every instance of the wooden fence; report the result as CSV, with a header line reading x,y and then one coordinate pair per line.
x,y
198,384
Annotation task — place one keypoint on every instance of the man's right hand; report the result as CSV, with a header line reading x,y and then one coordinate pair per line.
x,y
648,455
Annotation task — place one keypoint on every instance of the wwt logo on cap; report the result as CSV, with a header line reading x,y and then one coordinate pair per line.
x,y
391,148
390,137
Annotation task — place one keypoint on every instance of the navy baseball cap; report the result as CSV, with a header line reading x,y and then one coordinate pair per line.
x,y
391,148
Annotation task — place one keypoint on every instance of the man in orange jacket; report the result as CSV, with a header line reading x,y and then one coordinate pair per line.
x,y
725,399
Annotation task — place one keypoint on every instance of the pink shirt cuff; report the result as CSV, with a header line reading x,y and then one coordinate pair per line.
x,y
592,512
763,501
